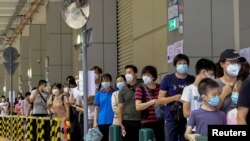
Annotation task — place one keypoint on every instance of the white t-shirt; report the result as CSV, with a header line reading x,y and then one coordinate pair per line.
x,y
190,94
4,108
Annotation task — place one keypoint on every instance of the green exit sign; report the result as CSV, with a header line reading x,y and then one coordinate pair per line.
x,y
173,24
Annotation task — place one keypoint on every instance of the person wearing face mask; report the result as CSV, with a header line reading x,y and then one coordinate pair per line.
x,y
91,109
19,107
58,104
4,106
228,68
129,118
26,105
190,98
120,84
146,96
98,74
104,114
243,74
76,117
207,114
66,89
39,98
170,94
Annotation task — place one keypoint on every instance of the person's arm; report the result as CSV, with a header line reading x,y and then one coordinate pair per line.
x,y
142,106
96,116
162,99
66,105
188,134
29,110
186,109
119,114
114,101
242,115
140,94
50,102
33,96
186,99
120,108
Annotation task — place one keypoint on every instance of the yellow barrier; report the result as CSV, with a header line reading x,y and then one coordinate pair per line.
x,y
30,128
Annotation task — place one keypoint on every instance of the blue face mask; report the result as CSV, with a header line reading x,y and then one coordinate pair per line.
x,y
120,85
105,85
182,69
234,97
214,101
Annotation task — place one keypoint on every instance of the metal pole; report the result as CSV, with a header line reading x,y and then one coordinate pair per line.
x,y
85,78
11,96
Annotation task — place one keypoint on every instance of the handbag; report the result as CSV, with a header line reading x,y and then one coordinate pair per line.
x,y
159,108
94,134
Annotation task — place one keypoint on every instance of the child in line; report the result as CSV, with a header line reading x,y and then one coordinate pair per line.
x,y
209,92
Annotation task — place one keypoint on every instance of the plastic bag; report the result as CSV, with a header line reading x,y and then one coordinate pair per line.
x,y
94,134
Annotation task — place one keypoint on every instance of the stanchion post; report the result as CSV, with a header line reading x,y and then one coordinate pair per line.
x,y
115,133
146,134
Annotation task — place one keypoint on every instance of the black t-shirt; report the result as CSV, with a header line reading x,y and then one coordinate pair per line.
x,y
244,97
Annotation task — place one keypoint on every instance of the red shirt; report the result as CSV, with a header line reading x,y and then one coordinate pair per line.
x,y
141,94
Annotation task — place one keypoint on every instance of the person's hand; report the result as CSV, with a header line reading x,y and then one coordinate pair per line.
x,y
79,109
226,90
192,137
95,125
123,131
72,101
153,101
177,97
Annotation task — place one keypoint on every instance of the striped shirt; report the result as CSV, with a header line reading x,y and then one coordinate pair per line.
x,y
140,94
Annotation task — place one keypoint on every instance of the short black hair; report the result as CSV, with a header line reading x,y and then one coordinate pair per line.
x,y
70,77
151,70
121,75
27,94
206,84
206,64
97,68
107,76
72,81
3,96
179,57
133,67
41,82
58,85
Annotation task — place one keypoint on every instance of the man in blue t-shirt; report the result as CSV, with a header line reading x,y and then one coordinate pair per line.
x,y
170,94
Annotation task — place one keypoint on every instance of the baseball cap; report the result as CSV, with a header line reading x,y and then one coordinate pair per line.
x,y
230,54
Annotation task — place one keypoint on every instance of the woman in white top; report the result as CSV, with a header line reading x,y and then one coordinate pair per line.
x,y
120,84
4,106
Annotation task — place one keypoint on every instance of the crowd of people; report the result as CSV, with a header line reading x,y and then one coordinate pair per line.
x,y
219,91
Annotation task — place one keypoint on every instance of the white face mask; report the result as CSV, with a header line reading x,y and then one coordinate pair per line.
x,y
147,80
233,69
66,89
77,82
56,92
44,89
129,77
